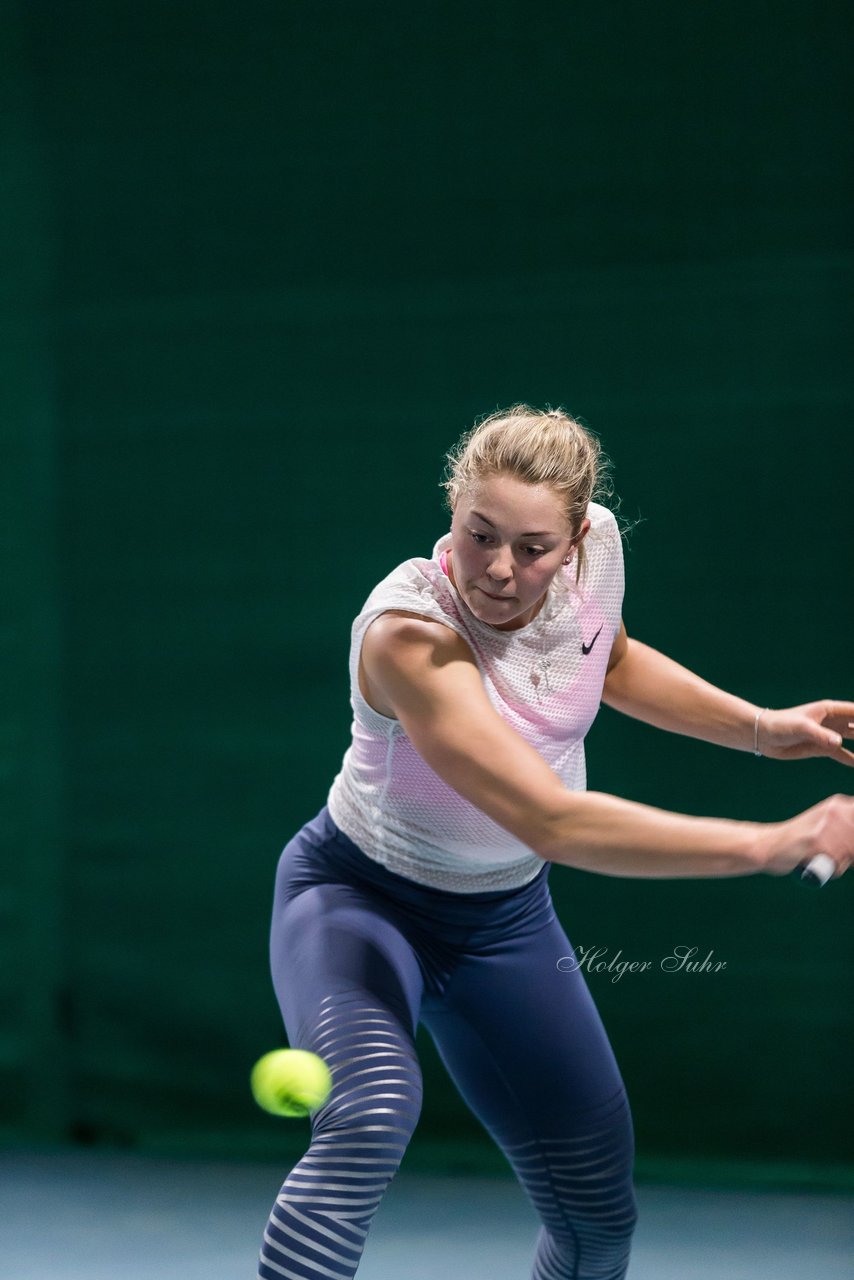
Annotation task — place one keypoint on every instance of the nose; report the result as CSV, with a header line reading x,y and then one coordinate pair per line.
x,y
500,567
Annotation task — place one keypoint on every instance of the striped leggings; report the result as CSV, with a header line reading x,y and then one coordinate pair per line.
x,y
359,957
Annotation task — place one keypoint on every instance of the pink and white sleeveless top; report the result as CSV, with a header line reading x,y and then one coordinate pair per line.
x,y
544,679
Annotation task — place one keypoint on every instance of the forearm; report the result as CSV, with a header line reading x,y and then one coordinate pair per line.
x,y
603,833
649,686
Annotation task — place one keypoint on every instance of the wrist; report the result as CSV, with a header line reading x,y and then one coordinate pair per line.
x,y
757,719
765,846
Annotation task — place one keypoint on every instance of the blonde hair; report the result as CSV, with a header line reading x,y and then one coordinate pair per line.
x,y
539,446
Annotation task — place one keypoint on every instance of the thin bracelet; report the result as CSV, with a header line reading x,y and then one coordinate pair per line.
x,y
759,714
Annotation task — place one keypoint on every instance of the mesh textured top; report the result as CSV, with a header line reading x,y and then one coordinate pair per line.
x,y
544,679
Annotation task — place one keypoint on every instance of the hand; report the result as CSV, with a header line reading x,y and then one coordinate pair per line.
x,y
816,729
826,827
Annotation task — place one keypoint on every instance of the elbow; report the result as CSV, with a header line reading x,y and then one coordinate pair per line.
x,y
553,827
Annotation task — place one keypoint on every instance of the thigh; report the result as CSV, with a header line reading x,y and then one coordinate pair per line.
x,y
526,1047
349,987
332,945
524,1042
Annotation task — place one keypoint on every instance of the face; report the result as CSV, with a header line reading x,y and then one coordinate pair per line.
x,y
508,540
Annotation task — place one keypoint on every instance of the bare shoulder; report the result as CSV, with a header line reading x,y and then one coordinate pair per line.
x,y
398,632
401,646
424,675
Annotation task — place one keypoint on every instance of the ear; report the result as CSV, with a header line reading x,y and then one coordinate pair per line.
x,y
579,538
582,532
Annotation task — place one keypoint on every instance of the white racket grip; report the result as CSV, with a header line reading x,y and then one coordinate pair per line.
x,y
818,870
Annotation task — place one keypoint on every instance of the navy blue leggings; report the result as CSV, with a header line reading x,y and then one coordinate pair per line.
x,y
360,956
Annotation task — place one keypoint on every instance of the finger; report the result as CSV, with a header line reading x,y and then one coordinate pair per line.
x,y
842,724
827,738
841,716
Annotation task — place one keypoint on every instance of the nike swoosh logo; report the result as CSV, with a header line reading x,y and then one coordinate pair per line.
x,y
585,648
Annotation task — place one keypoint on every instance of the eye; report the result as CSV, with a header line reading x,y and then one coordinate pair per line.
x,y
479,538
534,551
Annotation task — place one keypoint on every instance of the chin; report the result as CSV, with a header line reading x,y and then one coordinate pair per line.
x,y
480,605
496,613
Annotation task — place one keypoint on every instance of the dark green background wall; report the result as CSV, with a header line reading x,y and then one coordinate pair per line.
x,y
262,264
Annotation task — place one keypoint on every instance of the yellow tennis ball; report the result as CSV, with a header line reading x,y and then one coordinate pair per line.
x,y
290,1082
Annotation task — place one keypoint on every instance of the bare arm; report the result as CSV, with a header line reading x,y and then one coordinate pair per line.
x,y
645,684
425,674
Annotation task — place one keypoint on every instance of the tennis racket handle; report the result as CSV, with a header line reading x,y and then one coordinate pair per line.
x,y
817,871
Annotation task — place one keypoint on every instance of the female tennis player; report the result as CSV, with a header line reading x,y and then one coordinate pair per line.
x,y
419,893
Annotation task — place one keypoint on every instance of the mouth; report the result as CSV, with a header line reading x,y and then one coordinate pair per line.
x,y
490,596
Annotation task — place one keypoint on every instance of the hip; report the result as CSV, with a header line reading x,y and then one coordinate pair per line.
x,y
320,853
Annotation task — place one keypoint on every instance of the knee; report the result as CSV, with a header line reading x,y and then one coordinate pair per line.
x,y
377,1088
605,1209
373,1089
